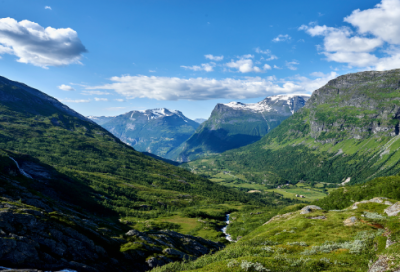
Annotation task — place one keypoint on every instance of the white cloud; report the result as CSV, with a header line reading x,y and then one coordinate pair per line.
x,y
208,67
173,88
94,92
39,46
68,100
376,30
382,21
47,7
282,38
100,99
119,100
291,65
266,52
152,71
267,67
215,58
276,67
244,66
66,88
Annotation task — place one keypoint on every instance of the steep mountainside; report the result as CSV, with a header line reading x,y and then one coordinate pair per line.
x,y
347,132
236,124
156,131
70,191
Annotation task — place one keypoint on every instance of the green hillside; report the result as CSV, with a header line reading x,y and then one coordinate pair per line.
x,y
82,172
338,237
348,129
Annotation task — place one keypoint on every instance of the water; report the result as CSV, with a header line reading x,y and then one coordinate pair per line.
x,y
227,236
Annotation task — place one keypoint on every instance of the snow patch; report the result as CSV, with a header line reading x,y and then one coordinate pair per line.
x,y
265,105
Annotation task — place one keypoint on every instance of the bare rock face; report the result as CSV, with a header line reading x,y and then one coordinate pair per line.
x,y
393,210
309,209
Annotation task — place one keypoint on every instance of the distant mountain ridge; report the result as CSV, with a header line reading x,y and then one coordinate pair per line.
x,y
156,131
236,124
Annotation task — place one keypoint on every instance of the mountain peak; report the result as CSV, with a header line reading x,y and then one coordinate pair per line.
x,y
266,105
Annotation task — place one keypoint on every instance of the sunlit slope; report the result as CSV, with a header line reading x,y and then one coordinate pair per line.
x,y
348,129
119,177
354,229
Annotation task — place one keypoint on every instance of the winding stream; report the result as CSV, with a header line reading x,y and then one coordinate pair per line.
x,y
227,236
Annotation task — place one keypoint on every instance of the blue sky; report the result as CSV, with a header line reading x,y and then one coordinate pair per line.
x,y
110,57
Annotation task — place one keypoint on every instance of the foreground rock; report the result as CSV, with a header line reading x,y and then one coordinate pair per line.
x,y
309,209
393,210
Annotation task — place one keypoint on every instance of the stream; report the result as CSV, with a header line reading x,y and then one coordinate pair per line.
x,y
227,236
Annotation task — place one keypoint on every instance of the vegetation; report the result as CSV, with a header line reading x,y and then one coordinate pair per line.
x,y
296,242
341,133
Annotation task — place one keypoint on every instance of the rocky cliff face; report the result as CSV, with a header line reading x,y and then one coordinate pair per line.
x,y
357,106
237,124
156,131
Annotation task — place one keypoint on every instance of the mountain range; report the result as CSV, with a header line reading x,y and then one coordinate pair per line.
x,y
155,131
237,124
348,131
74,196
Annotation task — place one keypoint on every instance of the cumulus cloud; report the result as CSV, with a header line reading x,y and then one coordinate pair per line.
x,y
66,88
282,38
208,67
47,7
374,30
244,66
382,21
173,88
39,46
215,58
100,99
68,100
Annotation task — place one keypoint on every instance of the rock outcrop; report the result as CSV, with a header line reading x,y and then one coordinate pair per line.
x,y
393,210
309,209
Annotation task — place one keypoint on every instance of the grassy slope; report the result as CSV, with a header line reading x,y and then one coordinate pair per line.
x,y
295,242
337,135
106,176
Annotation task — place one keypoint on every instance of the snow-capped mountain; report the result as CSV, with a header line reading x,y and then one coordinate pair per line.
x,y
236,124
156,131
273,103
